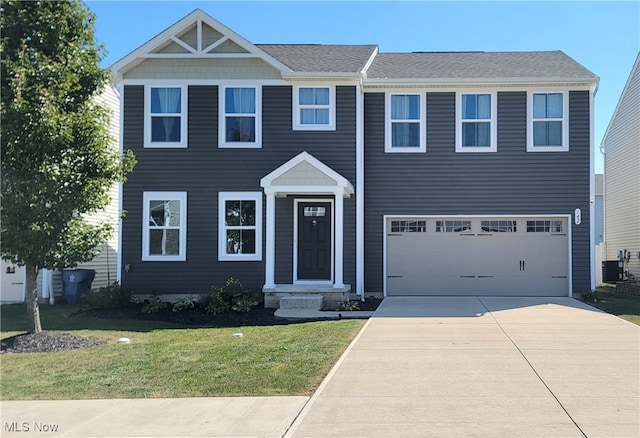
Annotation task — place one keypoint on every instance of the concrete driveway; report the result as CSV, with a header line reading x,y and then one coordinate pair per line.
x,y
482,367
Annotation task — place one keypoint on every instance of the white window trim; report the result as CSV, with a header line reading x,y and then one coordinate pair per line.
x,y
493,130
150,196
388,148
564,120
222,125
183,143
296,107
223,197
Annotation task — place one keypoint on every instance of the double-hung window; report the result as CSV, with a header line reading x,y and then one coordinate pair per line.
x,y
166,116
548,130
240,226
240,117
405,123
164,226
314,108
476,122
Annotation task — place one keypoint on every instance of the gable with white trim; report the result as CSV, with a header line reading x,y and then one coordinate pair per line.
x,y
306,174
199,47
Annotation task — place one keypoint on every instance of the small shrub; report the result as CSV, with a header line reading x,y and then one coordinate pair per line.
x,y
109,297
348,305
183,304
216,301
590,296
233,296
153,305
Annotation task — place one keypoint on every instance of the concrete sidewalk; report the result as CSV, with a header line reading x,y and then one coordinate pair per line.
x,y
482,367
268,417
421,367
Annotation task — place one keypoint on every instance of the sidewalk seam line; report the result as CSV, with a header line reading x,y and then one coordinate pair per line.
x,y
532,368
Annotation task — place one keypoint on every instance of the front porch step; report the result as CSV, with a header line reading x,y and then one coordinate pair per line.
x,y
313,302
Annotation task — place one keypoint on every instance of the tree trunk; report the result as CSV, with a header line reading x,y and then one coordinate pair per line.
x,y
33,311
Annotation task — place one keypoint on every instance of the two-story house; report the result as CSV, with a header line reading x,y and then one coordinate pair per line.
x,y
337,169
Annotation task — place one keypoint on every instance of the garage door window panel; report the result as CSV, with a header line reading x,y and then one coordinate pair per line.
x,y
453,226
408,226
544,226
508,226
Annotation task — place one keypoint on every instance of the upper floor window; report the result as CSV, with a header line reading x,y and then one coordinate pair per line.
x,y
241,117
240,226
164,226
405,123
314,108
547,130
166,118
476,123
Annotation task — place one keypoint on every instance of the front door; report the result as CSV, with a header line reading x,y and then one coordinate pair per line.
x,y
314,241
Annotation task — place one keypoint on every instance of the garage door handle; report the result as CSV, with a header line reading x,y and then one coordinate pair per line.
x,y
467,276
558,276
394,276
522,265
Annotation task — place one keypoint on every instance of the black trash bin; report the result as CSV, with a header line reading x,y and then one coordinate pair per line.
x,y
75,283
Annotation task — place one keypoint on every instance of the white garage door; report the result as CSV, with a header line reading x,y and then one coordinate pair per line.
x,y
477,256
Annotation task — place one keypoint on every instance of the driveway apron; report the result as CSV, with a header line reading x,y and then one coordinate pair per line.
x,y
482,367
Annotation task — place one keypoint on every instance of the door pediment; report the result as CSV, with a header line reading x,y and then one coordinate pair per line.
x,y
306,174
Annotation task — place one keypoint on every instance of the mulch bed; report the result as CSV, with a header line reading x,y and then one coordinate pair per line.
x,y
46,342
51,341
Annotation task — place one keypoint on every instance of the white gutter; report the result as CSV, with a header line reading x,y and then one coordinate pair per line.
x,y
473,81
360,190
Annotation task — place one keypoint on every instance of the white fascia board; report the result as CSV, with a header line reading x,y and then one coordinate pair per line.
x,y
321,76
370,61
473,82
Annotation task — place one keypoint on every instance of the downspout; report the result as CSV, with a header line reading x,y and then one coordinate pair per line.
x,y
592,192
120,203
360,190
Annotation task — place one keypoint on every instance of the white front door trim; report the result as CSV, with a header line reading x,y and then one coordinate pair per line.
x,y
297,201
336,185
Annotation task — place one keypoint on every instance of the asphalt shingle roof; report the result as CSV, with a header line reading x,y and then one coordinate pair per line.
x,y
477,65
310,58
320,58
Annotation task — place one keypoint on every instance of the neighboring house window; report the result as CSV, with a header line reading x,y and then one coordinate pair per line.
x,y
166,117
240,226
548,115
241,117
476,123
164,226
314,108
405,123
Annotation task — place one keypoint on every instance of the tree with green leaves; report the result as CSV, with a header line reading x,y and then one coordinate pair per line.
x,y
57,160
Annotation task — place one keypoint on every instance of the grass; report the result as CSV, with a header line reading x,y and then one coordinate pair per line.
x,y
164,360
625,307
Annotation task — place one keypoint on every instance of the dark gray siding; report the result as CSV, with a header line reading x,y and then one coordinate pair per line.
x,y
443,182
203,170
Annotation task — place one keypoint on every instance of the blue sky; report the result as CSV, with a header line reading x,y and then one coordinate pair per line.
x,y
602,36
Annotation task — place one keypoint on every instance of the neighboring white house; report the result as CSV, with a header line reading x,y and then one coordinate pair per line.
x,y
12,286
621,147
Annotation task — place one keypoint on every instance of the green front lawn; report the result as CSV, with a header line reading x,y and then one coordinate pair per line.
x,y
625,307
165,360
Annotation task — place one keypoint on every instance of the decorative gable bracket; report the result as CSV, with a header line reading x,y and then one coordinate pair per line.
x,y
198,35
